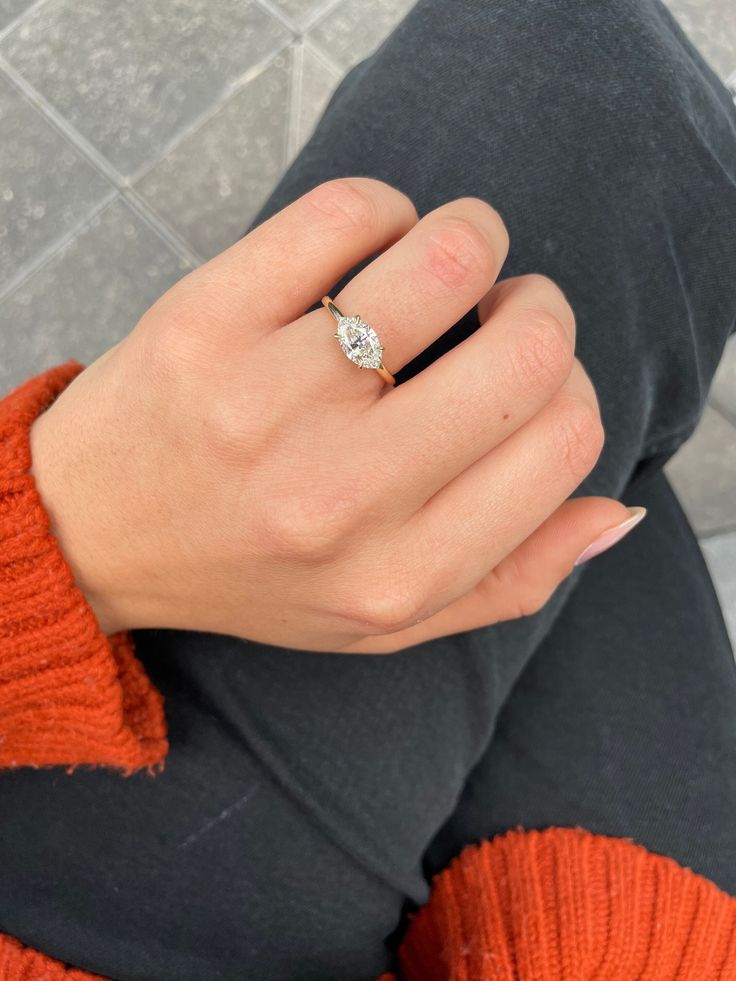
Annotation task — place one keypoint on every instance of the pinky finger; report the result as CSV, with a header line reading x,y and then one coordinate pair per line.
x,y
521,583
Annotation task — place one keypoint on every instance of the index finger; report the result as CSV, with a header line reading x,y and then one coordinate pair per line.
x,y
277,271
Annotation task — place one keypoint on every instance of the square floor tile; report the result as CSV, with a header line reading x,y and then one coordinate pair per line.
x,y
88,296
212,184
355,29
720,554
132,76
703,473
46,187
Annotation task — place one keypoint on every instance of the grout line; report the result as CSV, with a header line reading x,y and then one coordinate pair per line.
x,y
47,254
296,138
173,239
333,66
279,15
300,28
321,13
52,115
103,166
293,132
329,63
90,151
337,70
233,88
731,84
100,163
23,16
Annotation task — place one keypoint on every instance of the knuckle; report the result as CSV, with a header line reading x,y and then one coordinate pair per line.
x,y
291,532
520,586
490,218
393,606
542,352
534,600
578,436
457,252
312,525
548,294
542,285
345,204
224,427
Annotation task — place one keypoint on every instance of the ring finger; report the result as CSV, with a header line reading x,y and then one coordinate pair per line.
x,y
411,293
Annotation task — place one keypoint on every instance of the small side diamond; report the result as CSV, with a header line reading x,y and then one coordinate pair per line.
x,y
359,342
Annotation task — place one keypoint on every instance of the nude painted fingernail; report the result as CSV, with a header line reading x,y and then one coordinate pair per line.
x,y
611,536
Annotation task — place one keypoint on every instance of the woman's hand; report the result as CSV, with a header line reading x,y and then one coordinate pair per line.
x,y
226,468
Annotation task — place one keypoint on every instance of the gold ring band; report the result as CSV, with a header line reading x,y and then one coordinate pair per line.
x,y
359,342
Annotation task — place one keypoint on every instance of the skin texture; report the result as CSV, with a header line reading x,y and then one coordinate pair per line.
x,y
226,468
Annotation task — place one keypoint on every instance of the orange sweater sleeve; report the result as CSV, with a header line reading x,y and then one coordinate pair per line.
x,y
566,905
69,695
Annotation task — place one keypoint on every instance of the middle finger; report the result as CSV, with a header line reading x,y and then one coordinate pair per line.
x,y
472,398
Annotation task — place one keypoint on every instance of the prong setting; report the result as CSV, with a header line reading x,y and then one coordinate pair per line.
x,y
359,342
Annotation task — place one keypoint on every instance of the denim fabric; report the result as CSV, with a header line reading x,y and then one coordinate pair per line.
x,y
308,797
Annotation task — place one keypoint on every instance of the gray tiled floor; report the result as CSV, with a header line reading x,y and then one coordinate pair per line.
x,y
37,212
139,138
132,77
354,28
70,306
234,159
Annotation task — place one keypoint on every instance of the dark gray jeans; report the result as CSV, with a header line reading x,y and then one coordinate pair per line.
x,y
308,797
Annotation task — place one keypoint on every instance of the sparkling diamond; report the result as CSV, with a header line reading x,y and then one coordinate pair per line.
x,y
359,341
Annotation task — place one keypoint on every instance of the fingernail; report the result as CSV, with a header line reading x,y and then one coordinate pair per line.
x,y
611,536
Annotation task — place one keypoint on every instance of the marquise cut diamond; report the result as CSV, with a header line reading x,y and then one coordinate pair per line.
x,y
359,341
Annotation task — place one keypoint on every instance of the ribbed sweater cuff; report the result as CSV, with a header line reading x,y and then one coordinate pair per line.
x,y
69,695
563,904
20,963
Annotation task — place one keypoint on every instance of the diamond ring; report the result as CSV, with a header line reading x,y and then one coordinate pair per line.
x,y
359,341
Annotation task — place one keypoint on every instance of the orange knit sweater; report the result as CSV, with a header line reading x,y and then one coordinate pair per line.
x,y
559,904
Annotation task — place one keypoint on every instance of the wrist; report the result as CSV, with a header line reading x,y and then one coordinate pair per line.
x,y
75,521
68,694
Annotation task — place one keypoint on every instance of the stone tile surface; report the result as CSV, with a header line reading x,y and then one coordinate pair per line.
x,y
723,392
301,13
88,296
355,28
720,554
711,26
10,9
132,76
38,204
315,81
703,473
213,182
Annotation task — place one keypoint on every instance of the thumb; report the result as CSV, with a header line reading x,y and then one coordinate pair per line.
x,y
522,582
